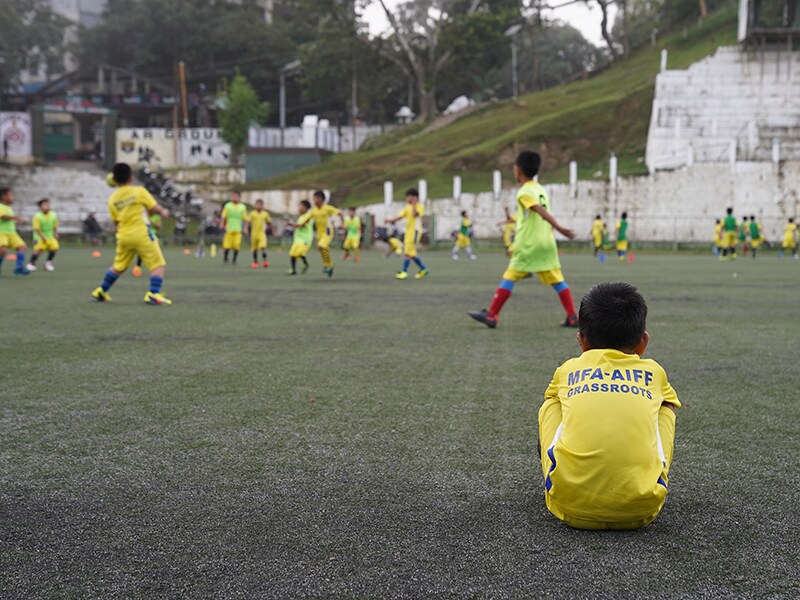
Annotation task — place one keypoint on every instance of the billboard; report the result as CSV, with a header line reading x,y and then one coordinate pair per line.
x,y
15,137
172,148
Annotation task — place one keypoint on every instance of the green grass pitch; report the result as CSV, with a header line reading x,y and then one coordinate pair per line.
x,y
274,436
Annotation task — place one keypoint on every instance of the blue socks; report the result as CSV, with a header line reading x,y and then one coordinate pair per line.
x,y
2,258
109,280
406,262
155,284
419,263
20,261
507,284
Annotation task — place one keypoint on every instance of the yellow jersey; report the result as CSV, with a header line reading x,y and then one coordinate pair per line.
x,y
46,223
322,216
597,230
128,206
258,221
607,461
790,230
413,222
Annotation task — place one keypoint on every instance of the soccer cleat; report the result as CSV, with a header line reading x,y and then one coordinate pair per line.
x,y
254,265
137,271
291,272
305,268
484,317
454,256
22,271
401,275
328,271
31,267
156,299
48,266
421,274
101,296
265,264
570,321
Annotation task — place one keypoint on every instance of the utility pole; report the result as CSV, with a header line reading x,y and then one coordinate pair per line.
x,y
184,103
512,33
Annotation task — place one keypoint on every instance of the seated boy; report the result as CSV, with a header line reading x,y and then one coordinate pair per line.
x,y
608,419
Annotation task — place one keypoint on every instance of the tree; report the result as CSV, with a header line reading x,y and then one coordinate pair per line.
x,y
604,28
240,108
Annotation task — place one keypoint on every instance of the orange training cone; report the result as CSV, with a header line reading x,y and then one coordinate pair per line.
x,y
11,256
186,251
96,254
630,257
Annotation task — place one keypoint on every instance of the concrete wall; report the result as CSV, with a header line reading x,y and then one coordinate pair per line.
x,y
262,163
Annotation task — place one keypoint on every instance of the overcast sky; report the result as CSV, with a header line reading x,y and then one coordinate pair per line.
x,y
585,19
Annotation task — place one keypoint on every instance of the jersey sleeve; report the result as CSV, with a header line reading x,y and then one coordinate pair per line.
x,y
420,210
224,213
405,212
527,201
55,221
112,211
245,216
146,199
333,211
303,219
35,222
668,394
267,218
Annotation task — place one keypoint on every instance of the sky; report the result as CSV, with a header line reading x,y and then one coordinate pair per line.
x,y
583,18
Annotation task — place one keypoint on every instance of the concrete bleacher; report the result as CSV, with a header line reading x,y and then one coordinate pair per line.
x,y
74,191
735,105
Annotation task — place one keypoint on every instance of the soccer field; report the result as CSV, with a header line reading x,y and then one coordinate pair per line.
x,y
274,436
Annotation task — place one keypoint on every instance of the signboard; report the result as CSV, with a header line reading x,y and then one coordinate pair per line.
x,y
15,137
171,148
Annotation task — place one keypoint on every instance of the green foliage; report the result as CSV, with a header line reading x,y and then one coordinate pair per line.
x,y
241,108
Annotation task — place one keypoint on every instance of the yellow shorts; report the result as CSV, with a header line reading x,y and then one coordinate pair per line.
x,y
324,241
788,242
11,240
232,240
129,248
258,241
351,243
598,242
298,250
546,277
622,246
462,241
51,245
410,244
396,245
729,239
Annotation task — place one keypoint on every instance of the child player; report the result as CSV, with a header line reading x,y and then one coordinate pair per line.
x,y
789,239
154,224
321,213
622,236
743,230
608,420
597,237
509,226
259,218
717,249
303,236
352,238
45,235
127,206
463,238
756,236
730,231
8,232
412,213
234,223
535,249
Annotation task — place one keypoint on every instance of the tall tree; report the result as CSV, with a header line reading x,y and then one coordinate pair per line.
x,y
605,5
240,108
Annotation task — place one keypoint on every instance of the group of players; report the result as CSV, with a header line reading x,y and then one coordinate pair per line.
x,y
729,234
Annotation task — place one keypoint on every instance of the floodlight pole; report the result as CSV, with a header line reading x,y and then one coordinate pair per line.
x,y
282,105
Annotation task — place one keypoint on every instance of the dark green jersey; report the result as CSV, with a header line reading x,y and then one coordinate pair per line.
x,y
755,232
729,224
622,230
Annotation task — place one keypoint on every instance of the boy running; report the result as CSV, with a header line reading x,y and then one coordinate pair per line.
x,y
234,223
789,239
535,249
302,237
412,213
608,420
463,238
352,239
509,227
622,237
730,231
259,218
8,232
154,224
756,236
127,206
321,213
45,235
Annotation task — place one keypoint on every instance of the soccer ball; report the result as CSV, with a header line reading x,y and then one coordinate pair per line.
x,y
110,180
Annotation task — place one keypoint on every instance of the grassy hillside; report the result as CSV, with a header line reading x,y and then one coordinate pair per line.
x,y
583,121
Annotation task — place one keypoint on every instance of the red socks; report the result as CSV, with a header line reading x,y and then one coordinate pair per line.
x,y
500,297
566,301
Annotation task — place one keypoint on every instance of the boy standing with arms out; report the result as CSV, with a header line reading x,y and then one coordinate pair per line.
x,y
622,237
412,213
8,232
608,420
45,235
535,249
352,239
303,236
127,206
463,238
729,235
259,218
789,239
234,219
321,213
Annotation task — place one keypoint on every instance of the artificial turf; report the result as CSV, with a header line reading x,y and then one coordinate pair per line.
x,y
274,436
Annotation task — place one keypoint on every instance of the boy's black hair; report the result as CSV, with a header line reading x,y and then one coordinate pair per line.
x,y
258,200
624,215
412,192
236,193
791,219
320,194
40,202
529,162
752,217
718,220
122,173
463,213
4,191
613,315
598,217
728,211
306,203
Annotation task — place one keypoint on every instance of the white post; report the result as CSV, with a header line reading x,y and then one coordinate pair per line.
x,y
423,191
776,151
497,183
573,173
752,138
456,187
689,156
732,153
612,169
388,193
663,60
